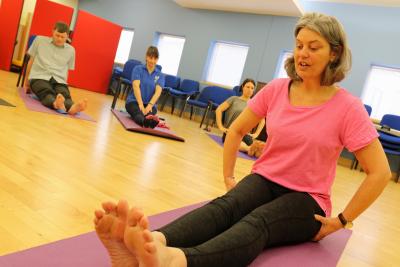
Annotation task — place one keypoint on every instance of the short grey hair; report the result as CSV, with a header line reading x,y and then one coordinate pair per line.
x,y
331,29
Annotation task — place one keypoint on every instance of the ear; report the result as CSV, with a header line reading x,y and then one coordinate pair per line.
x,y
335,54
332,56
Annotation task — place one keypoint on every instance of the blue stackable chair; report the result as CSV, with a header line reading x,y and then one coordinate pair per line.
x,y
237,90
209,99
391,143
171,82
218,96
125,80
187,89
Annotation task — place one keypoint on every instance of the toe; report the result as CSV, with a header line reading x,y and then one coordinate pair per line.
x,y
150,248
134,216
144,222
122,209
109,207
147,236
104,225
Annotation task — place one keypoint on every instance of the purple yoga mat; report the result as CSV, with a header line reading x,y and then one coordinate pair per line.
x,y
33,104
86,250
126,121
218,140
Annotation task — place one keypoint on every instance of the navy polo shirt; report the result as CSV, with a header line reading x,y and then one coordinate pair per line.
x,y
148,82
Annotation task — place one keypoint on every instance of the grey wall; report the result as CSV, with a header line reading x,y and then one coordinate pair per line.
x,y
266,35
373,32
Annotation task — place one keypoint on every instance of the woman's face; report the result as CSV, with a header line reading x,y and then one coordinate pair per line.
x,y
248,89
151,62
311,54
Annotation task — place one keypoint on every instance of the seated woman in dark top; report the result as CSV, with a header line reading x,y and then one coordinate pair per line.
x,y
232,107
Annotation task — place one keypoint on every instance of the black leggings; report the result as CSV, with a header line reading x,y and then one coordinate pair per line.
x,y
247,139
234,229
137,115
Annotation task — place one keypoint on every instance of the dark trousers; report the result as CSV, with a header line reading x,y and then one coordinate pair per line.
x,y
247,139
234,229
133,109
47,91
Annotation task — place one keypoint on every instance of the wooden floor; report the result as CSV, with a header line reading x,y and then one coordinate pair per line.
x,y
54,171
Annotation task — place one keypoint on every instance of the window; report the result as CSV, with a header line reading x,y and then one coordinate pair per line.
x,y
170,48
226,63
124,46
380,90
280,71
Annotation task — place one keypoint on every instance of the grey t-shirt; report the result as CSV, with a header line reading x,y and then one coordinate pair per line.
x,y
51,60
236,106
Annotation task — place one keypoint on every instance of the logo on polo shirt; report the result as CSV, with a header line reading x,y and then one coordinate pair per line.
x,y
156,78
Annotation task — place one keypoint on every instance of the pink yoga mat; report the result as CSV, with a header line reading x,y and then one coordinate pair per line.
x,y
218,140
87,251
33,104
126,121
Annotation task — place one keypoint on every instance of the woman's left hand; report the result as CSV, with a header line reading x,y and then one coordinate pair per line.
x,y
147,109
329,225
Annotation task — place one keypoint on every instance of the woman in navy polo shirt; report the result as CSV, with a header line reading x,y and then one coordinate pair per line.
x,y
147,84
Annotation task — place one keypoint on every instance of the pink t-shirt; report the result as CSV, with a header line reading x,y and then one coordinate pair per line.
x,y
304,143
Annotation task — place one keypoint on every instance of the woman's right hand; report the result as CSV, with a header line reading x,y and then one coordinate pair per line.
x,y
147,109
230,183
256,149
142,109
224,130
27,87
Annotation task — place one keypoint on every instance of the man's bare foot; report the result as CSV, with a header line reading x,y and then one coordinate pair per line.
x,y
59,102
78,107
149,251
110,226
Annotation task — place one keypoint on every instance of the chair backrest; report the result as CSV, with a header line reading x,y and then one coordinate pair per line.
x,y
368,108
128,68
172,81
215,94
220,94
393,121
30,40
237,91
189,86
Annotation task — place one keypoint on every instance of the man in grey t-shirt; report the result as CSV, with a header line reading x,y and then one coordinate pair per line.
x,y
47,70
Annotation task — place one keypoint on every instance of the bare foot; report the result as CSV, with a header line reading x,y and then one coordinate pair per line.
x,y
149,251
110,226
78,107
59,102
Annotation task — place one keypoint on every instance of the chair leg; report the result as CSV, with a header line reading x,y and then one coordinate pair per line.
x,y
173,105
116,94
183,109
397,175
204,116
164,101
354,163
191,112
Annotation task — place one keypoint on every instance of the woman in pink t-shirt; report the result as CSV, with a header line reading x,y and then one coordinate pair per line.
x,y
286,199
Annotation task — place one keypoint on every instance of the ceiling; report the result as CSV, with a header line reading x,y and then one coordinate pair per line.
x,y
272,7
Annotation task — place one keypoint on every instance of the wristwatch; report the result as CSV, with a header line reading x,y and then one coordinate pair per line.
x,y
346,224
